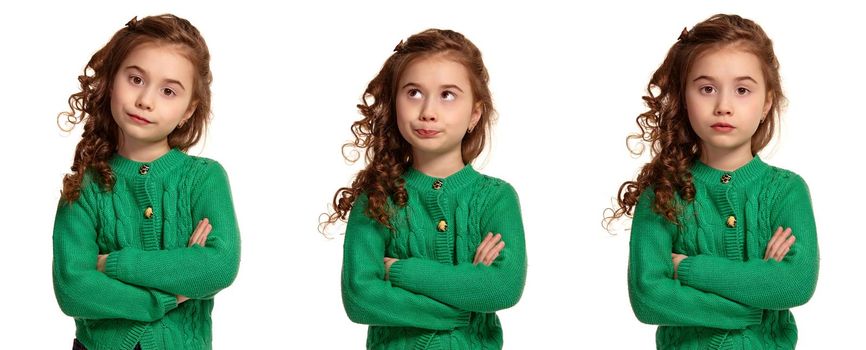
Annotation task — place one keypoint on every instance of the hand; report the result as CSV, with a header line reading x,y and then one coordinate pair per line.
x,y
676,258
388,263
489,249
199,235
779,244
100,262
180,299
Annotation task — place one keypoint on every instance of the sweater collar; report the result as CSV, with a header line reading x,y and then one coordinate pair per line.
x,y
424,182
162,165
744,174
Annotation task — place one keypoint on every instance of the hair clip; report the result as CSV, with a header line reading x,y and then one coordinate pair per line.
x,y
684,35
399,46
132,23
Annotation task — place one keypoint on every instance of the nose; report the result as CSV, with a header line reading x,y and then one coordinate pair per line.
x,y
145,100
723,106
428,113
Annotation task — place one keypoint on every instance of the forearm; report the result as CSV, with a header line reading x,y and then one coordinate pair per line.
x,y
763,284
194,271
467,286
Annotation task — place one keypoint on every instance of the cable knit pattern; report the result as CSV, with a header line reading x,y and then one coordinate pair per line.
x,y
726,296
435,297
144,223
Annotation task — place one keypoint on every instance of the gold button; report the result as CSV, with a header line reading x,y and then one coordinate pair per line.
x,y
442,226
143,169
726,178
148,213
732,221
437,184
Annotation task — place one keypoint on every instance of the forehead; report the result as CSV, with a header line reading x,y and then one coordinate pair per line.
x,y
161,61
434,70
727,62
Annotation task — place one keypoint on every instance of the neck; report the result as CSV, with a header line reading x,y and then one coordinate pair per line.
x,y
441,166
142,151
726,159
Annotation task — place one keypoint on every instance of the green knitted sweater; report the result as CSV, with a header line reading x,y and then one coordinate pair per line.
x,y
435,297
144,223
726,296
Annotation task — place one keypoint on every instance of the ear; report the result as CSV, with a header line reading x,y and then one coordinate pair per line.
x,y
476,115
189,111
768,103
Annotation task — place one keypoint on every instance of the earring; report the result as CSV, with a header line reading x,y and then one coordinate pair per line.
x,y
469,131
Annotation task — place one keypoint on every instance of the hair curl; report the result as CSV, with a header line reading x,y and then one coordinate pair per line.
x,y
92,105
387,154
674,146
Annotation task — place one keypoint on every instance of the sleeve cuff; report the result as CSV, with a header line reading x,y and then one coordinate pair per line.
x,y
112,265
463,319
684,270
395,273
168,301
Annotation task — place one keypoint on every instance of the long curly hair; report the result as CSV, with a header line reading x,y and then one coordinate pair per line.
x,y
674,145
387,154
92,105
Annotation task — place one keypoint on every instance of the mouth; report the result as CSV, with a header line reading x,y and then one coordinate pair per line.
x,y
138,119
722,127
426,133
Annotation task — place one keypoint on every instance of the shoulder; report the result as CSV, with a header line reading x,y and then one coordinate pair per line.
x,y
494,191
784,179
495,185
201,169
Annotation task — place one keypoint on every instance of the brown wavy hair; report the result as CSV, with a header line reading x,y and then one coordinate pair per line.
x,y
674,146
92,105
387,154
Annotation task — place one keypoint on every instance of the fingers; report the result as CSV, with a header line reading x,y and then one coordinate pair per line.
x,y
388,262
779,244
489,249
493,253
481,251
784,249
201,232
771,245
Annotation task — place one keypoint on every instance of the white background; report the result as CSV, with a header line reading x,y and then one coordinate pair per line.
x,y
567,82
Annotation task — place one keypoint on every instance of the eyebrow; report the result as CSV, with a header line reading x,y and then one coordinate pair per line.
x,y
447,86
170,81
745,77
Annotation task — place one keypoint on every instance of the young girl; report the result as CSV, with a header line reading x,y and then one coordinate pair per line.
x,y
425,260
713,257
145,235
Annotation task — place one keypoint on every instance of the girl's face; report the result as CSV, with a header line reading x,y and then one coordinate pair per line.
x,y
435,107
726,99
151,94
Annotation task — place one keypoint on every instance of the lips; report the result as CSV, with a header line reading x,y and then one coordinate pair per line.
x,y
722,127
138,119
426,133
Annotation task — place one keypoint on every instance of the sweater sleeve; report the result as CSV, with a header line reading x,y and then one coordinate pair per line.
x,y
196,272
766,284
368,298
656,297
477,288
81,290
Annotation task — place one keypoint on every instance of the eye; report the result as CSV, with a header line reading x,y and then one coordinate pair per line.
x,y
415,94
448,95
168,92
136,80
707,89
743,91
